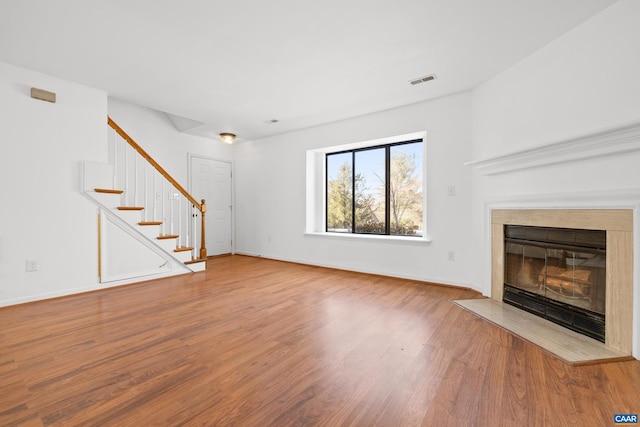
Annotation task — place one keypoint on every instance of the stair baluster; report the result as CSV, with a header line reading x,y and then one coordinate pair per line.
x,y
178,218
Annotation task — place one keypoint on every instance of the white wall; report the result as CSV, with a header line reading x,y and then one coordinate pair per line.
x,y
582,82
270,189
44,215
156,134
585,81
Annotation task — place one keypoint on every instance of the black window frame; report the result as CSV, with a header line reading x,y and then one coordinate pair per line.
x,y
387,167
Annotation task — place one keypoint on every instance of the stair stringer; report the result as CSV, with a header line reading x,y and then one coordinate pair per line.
x,y
97,175
125,219
155,262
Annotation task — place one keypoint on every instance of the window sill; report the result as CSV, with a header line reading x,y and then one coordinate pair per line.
x,y
413,241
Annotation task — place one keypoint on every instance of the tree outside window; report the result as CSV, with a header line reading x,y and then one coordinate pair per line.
x,y
387,185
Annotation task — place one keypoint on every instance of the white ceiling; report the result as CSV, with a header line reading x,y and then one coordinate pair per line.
x,y
230,66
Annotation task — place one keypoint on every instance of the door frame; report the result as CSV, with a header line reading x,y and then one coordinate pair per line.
x,y
232,182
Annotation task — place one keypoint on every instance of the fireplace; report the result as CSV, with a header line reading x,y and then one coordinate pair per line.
x,y
558,274
617,224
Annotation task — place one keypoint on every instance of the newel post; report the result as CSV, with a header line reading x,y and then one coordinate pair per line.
x,y
203,246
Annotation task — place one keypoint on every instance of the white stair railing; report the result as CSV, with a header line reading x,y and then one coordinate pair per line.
x,y
149,186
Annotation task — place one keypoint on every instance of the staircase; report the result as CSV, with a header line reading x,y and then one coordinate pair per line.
x,y
137,195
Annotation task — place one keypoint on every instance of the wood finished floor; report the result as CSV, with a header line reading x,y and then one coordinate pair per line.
x,y
254,342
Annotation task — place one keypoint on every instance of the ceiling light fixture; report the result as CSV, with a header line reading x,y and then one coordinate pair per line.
x,y
423,79
228,138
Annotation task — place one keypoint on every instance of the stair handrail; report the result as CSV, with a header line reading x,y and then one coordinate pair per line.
x,y
202,207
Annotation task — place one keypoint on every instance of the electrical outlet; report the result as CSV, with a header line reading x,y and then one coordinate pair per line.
x,y
31,265
452,255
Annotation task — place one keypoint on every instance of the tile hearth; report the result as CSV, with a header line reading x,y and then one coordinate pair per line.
x,y
571,347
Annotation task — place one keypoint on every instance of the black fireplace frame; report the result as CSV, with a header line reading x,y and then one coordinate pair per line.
x,y
575,318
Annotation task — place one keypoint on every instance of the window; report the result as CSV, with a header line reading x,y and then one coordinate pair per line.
x,y
376,190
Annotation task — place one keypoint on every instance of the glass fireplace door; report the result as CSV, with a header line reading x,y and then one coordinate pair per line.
x,y
568,276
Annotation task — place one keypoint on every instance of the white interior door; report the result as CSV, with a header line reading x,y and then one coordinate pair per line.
x,y
211,181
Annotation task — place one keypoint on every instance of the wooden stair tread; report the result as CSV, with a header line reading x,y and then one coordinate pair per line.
x,y
183,249
167,236
150,223
194,261
130,208
108,191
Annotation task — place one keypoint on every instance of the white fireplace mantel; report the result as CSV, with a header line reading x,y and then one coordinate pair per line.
x,y
616,140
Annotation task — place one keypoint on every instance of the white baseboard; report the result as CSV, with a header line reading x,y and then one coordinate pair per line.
x,y
366,271
84,289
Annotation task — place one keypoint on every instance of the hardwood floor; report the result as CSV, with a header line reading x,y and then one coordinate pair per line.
x,y
255,342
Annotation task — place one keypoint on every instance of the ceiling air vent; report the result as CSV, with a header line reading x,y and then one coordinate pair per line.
x,y
423,79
